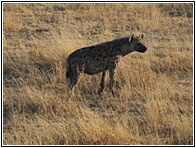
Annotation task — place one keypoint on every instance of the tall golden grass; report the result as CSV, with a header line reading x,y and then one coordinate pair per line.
x,y
153,104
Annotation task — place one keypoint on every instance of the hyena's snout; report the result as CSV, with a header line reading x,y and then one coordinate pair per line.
x,y
142,49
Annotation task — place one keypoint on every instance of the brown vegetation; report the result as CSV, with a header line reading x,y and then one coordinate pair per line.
x,y
154,102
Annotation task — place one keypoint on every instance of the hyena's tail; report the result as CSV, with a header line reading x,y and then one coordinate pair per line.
x,y
68,72
69,79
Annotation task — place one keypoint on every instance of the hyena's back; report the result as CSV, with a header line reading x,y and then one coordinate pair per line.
x,y
90,60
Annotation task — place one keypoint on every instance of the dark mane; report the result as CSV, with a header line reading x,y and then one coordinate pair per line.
x,y
117,42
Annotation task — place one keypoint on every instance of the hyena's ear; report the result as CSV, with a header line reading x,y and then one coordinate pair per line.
x,y
131,38
141,36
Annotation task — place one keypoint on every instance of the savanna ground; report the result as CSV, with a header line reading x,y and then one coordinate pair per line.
x,y
153,103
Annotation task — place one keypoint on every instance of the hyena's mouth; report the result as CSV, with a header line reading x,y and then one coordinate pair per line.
x,y
142,49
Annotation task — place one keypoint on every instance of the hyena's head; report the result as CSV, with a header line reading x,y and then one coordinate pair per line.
x,y
133,44
136,43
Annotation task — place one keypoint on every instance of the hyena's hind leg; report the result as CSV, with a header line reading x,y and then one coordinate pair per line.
x,y
73,79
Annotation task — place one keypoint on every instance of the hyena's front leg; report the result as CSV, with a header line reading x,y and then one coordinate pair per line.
x,y
112,73
112,79
102,84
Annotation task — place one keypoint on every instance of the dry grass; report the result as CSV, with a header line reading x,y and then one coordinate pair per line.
x,y
154,103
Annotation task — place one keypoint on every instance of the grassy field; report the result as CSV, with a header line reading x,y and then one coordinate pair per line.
x,y
153,104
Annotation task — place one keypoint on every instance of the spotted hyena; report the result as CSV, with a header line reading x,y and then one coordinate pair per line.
x,y
100,58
